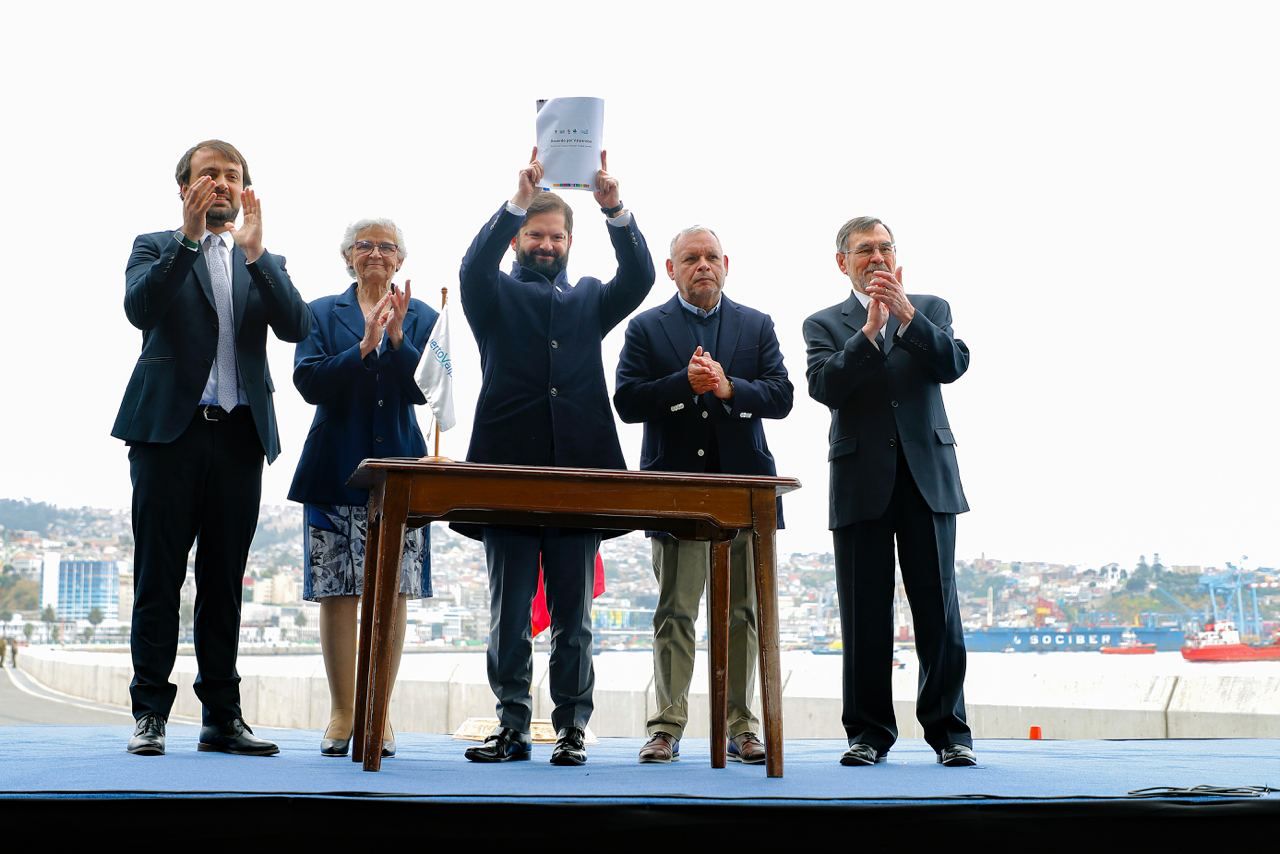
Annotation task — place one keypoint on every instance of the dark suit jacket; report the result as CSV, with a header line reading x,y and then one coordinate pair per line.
x,y
168,296
543,400
879,399
364,407
653,387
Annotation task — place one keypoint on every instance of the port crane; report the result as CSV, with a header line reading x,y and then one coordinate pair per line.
x,y
1232,586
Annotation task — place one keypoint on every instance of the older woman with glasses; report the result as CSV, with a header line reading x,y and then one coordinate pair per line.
x,y
357,367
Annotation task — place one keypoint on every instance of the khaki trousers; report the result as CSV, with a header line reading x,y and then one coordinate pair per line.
x,y
681,568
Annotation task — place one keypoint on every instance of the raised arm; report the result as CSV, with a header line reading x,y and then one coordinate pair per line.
x,y
634,277
931,342
287,314
158,267
322,373
479,277
838,365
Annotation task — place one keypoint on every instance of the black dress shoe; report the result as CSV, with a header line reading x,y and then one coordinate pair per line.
x,y
957,756
389,746
505,745
570,749
234,736
862,754
335,746
148,736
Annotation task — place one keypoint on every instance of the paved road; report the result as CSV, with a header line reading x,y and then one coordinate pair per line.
x,y
23,702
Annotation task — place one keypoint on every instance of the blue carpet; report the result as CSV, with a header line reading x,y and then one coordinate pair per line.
x,y
70,761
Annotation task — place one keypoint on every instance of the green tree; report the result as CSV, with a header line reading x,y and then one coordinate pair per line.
x,y
300,619
96,616
28,630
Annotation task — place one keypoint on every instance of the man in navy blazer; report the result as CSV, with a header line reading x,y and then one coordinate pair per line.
x,y
879,360
543,402
198,418
702,414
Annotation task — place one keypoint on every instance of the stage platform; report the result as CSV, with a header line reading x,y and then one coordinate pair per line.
x,y
72,780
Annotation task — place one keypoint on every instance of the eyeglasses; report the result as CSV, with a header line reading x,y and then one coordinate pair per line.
x,y
866,250
366,247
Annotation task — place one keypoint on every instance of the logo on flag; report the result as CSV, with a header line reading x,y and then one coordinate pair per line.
x,y
436,377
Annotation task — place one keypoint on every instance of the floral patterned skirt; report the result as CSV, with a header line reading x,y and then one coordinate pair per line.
x,y
333,554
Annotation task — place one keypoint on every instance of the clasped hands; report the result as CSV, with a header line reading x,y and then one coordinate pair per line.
x,y
386,316
887,297
707,375
197,201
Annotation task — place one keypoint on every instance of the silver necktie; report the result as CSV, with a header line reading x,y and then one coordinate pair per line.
x,y
226,364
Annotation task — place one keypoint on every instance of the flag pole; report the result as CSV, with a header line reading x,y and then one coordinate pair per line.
x,y
444,298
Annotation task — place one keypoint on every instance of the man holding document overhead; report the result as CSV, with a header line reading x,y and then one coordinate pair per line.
x,y
543,402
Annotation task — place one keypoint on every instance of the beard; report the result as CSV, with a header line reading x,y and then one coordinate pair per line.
x,y
550,266
218,217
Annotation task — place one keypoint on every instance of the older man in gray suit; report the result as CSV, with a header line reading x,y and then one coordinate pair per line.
x,y
879,360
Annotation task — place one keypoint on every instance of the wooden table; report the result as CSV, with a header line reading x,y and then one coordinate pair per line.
x,y
689,506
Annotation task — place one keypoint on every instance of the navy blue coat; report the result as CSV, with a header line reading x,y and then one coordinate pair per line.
x,y
653,387
168,295
543,400
364,407
880,399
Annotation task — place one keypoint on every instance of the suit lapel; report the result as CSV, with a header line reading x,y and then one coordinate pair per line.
x,y
678,332
349,313
240,281
201,269
730,330
855,316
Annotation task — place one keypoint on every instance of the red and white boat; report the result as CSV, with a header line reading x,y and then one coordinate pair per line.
x,y
1130,645
1220,641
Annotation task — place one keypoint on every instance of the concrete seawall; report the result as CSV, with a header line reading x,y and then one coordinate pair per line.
x,y
437,692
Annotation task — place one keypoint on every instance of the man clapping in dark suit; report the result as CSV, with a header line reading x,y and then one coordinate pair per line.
x,y
702,414
879,360
198,418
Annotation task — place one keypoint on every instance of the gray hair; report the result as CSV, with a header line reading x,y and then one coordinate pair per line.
x,y
349,238
857,225
685,232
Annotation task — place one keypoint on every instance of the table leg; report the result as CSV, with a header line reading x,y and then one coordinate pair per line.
x,y
765,517
718,647
364,657
395,508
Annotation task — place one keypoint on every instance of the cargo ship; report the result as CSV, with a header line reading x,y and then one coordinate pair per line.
x,y
1076,639
1220,641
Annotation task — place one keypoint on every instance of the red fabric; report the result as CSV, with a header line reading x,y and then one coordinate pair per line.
x,y
541,617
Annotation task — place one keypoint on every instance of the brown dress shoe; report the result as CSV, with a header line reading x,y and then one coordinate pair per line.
x,y
660,749
746,748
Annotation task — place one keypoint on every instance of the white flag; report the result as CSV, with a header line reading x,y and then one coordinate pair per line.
x,y
436,377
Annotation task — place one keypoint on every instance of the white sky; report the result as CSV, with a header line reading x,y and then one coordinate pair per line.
x,y
1093,186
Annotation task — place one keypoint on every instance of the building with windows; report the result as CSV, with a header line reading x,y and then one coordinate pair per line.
x,y
75,587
